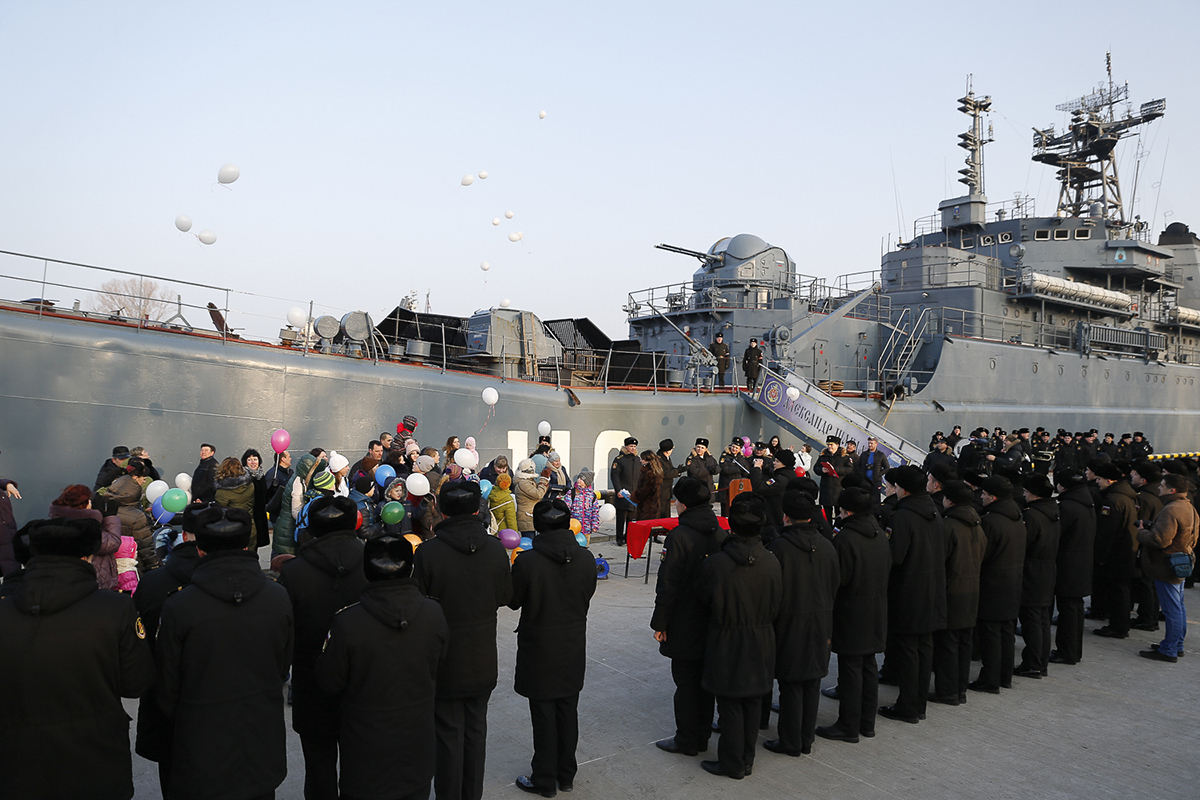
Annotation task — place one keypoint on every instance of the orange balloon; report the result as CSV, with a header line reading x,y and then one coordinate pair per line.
x,y
575,526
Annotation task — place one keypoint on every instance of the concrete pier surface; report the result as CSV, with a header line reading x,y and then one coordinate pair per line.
x,y
1114,726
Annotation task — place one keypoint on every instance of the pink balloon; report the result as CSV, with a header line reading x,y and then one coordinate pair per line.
x,y
280,440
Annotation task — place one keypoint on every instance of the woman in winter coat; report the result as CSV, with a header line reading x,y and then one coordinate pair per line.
x,y
75,502
649,487
126,492
253,464
235,489
283,540
502,503
584,505
531,488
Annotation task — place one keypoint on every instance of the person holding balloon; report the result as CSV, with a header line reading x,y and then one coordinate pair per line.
x,y
585,508
396,511
501,502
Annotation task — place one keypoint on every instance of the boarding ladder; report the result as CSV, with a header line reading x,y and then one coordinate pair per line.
x,y
903,345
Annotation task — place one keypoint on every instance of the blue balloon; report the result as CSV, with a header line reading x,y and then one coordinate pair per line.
x,y
383,474
539,462
161,515
485,486
526,543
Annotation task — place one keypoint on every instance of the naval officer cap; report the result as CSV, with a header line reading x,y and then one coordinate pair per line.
x,y
630,440
833,440
702,441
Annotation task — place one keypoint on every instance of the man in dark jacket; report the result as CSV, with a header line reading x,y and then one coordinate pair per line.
x,y
113,468
872,464
1042,535
680,620
381,661
230,633
70,653
623,477
701,465
670,472
916,591
811,576
720,352
204,478
1140,447
732,465
1000,578
1116,546
941,454
467,573
831,466
769,481
752,359
742,587
860,616
553,586
154,729
965,546
325,576
1144,478
1073,565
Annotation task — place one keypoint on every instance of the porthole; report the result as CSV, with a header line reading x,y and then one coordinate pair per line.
x,y
1006,311
1176,380
1085,372
1127,376
992,363
1147,379
1035,367
1016,313
1105,374
1061,369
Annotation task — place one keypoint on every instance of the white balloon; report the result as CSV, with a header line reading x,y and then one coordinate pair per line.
x,y
465,458
495,220
508,215
207,237
183,222
541,115
608,512
468,180
483,175
793,393
417,485
485,266
543,428
490,396
514,237
505,303
183,481
520,235
156,489
228,173
425,463
297,317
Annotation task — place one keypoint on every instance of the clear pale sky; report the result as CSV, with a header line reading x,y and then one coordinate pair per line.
x,y
822,128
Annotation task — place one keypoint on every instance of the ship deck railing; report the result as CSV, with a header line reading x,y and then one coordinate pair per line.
x,y
817,293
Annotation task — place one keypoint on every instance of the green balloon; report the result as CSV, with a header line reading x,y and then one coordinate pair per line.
x,y
392,513
175,500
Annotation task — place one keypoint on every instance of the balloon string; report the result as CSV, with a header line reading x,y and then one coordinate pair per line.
x,y
491,411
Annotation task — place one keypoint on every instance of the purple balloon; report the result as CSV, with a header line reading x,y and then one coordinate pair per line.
x,y
509,538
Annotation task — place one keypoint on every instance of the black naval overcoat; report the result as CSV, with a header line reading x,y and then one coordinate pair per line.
x,y
70,653
224,648
742,586
1116,519
381,662
1042,533
965,546
677,606
860,610
1077,523
831,486
467,573
153,728
1003,568
553,586
811,576
325,576
917,586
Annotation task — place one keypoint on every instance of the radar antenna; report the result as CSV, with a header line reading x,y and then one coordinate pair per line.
x,y
1085,153
973,140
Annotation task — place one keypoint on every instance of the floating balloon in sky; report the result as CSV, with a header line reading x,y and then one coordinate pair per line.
x,y
514,237
207,237
483,175
228,173
508,215
183,222
468,180
495,220
485,266
520,234
490,396
296,318
505,303
541,115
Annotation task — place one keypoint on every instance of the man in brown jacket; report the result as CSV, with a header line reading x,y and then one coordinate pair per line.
x,y
1175,530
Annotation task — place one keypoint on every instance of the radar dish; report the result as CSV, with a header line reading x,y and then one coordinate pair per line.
x,y
356,326
327,327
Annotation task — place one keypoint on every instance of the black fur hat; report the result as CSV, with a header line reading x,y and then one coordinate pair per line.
x,y
551,515
75,538
387,557
329,514
459,498
692,492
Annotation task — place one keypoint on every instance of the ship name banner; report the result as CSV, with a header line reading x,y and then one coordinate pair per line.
x,y
815,420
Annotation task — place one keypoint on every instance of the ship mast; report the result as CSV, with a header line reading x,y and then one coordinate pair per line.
x,y
973,141
1085,153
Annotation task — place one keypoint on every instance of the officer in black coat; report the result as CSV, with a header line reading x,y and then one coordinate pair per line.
x,y
623,476
70,653
325,576
752,359
1000,578
1116,547
680,620
742,586
381,661
1073,569
720,352
732,465
860,616
1037,588
916,591
1144,478
701,465
670,472
811,576
831,466
941,454
553,586
229,633
467,573
965,546
770,481
154,729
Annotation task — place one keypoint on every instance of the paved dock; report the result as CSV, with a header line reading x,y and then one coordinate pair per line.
x,y
1115,726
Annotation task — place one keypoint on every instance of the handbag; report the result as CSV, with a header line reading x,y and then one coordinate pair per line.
x,y
1181,563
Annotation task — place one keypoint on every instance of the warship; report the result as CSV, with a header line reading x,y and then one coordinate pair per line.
x,y
990,314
